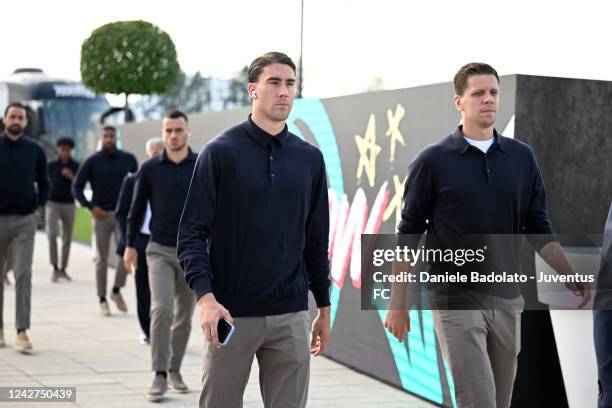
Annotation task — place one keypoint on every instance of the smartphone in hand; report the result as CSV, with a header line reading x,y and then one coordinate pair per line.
x,y
224,331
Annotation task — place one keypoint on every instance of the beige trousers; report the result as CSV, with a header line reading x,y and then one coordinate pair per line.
x,y
481,349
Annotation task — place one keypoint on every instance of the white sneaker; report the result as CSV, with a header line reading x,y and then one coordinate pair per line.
x,y
104,309
118,299
176,383
22,343
158,388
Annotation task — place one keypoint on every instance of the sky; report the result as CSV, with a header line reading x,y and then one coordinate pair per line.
x,y
348,45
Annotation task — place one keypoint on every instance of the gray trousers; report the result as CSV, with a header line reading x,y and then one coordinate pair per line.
x,y
172,304
104,229
481,349
282,346
17,235
56,213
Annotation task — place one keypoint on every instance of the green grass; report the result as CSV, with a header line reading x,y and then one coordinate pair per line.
x,y
82,226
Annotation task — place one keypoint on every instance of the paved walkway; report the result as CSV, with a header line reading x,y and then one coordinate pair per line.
x,y
102,358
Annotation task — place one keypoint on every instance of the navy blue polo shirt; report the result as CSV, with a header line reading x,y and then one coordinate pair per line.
x,y
23,163
255,227
105,172
454,188
61,191
164,184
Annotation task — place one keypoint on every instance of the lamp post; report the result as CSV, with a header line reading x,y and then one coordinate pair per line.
x,y
300,67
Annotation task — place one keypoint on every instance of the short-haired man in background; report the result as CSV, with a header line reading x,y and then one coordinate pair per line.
x,y
153,148
163,182
60,207
105,170
23,164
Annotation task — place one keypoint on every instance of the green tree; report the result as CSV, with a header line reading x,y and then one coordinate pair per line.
x,y
237,94
129,57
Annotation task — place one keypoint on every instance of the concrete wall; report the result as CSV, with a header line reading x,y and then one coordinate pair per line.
x,y
368,141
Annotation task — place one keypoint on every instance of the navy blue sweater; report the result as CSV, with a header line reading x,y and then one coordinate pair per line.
x,y
105,172
164,184
22,163
61,191
255,227
453,188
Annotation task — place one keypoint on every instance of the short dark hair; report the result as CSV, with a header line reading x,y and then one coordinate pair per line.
x,y
263,61
473,68
65,141
176,114
110,129
15,105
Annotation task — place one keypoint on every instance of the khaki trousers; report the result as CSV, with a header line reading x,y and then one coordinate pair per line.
x,y
481,349
105,229
282,346
172,304
56,213
17,236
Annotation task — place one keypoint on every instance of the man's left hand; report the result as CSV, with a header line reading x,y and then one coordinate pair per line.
x,y
581,289
321,331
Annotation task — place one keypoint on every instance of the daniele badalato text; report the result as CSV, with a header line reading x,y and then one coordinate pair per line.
x,y
459,257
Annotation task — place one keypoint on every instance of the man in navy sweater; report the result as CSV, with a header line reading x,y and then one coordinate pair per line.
x,y
163,181
60,207
476,181
105,170
252,241
22,164
153,148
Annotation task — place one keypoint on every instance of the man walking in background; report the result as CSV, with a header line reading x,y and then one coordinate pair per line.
x,y
105,170
153,148
257,188
23,163
163,182
60,207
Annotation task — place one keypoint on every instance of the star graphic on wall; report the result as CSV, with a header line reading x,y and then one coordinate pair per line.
x,y
368,150
395,205
393,131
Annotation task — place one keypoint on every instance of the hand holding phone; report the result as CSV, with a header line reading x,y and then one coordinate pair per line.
x,y
211,313
225,330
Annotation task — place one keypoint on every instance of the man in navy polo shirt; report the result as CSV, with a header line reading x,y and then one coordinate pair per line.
x,y
23,165
476,181
163,182
60,207
153,148
253,241
105,170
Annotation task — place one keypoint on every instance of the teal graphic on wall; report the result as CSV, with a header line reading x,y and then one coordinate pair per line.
x,y
418,362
